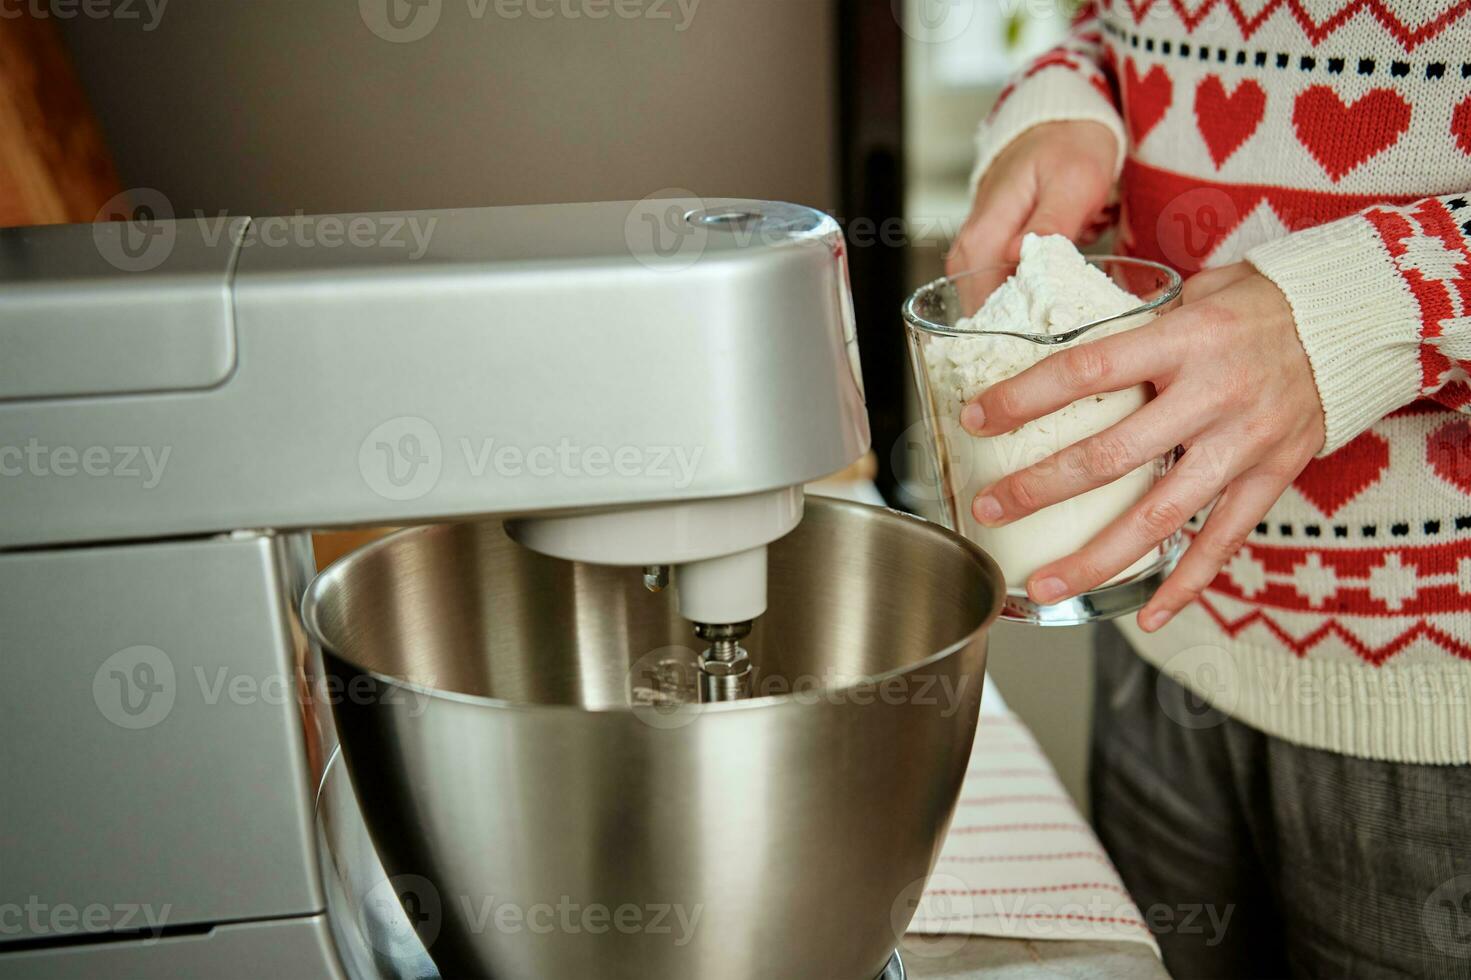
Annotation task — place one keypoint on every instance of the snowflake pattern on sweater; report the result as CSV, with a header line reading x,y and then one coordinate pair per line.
x,y
1327,142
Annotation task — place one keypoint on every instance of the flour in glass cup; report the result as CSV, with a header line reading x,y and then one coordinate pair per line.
x,y
1054,290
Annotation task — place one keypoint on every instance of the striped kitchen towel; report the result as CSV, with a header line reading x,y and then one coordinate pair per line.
x,y
1020,861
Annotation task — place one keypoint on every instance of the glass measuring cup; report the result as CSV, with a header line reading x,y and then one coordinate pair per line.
x,y
942,351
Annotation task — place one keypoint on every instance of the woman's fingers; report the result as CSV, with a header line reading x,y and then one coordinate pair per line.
x,y
1002,203
1193,483
1109,364
1099,223
1066,204
1142,438
1228,365
1052,179
1208,282
985,241
1240,508
1009,208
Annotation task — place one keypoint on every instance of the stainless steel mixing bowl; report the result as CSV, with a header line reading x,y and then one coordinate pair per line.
x,y
547,806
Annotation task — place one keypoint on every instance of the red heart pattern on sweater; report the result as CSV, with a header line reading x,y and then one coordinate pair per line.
x,y
1334,480
1146,98
1343,137
1448,450
1461,126
1226,121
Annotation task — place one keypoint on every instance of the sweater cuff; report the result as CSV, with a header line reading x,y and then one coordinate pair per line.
x,y
1054,94
1355,318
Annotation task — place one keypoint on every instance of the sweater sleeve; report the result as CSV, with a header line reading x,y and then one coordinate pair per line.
x,y
1382,302
1072,82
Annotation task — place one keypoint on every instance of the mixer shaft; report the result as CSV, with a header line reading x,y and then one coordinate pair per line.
x,y
725,668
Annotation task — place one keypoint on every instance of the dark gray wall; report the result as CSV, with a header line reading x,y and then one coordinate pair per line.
x,y
271,106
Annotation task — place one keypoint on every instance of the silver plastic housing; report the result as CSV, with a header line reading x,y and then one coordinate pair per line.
x,y
523,360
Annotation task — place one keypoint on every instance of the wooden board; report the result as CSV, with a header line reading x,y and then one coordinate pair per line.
x,y
54,164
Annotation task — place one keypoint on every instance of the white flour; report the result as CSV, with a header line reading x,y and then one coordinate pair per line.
x,y
1054,290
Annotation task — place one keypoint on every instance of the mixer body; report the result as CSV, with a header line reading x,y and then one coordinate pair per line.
x,y
173,423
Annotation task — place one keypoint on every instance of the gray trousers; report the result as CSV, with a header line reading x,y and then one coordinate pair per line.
x,y
1253,857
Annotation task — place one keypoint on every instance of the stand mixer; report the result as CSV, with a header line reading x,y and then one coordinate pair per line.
x,y
167,755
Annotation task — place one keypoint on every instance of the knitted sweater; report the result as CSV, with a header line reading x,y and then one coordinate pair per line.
x,y
1328,143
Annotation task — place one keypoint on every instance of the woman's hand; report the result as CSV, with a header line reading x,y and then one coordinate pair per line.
x,y
1053,179
1234,388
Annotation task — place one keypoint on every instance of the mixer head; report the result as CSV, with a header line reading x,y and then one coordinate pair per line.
x,y
714,550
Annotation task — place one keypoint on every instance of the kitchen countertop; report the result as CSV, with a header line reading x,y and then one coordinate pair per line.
x,y
1035,959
